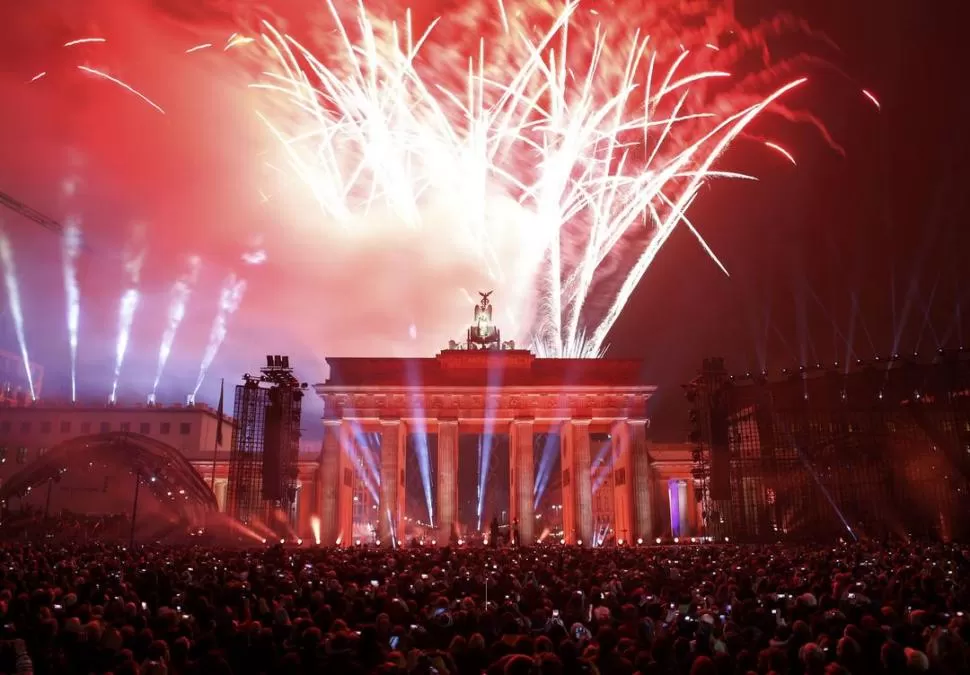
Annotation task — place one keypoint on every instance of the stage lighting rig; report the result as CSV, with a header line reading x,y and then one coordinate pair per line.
x,y
265,448
278,372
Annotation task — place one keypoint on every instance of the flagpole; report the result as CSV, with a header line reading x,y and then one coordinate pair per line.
x,y
215,445
215,461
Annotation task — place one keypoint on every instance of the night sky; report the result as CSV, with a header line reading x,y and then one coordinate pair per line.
x,y
846,255
884,225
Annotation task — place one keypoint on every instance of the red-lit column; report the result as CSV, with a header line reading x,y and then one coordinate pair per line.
x,y
447,485
522,479
306,507
577,488
640,459
583,485
390,520
692,508
623,514
328,481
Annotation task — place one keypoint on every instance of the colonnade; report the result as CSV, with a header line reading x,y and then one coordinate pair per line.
x,y
632,509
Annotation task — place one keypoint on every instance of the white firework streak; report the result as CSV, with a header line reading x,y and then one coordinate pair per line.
x,y
181,291
133,261
13,297
70,249
607,164
230,297
126,316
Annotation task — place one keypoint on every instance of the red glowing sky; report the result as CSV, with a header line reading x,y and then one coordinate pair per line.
x,y
194,175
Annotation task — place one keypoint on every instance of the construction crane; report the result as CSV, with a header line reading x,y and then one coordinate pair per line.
x,y
31,214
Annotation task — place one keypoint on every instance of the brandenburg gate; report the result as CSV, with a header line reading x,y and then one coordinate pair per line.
x,y
481,384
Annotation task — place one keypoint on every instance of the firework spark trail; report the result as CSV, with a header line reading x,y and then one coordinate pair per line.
x,y
781,151
123,85
236,41
230,297
134,259
39,76
70,250
13,298
872,97
126,316
180,294
204,45
85,41
735,125
606,160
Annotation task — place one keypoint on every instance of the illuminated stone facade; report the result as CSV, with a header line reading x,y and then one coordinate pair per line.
x,y
513,392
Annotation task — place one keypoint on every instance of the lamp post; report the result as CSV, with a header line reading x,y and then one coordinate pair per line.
x,y
134,510
47,503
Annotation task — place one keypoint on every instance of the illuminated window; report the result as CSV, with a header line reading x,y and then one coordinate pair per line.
x,y
41,452
65,427
21,455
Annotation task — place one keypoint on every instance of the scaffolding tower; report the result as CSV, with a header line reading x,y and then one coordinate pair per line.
x,y
265,449
882,449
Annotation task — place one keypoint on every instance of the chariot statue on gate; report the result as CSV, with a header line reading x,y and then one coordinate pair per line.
x,y
483,334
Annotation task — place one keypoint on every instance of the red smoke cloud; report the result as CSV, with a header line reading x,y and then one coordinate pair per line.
x,y
80,146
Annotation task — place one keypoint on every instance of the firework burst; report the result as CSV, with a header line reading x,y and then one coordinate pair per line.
x,y
602,138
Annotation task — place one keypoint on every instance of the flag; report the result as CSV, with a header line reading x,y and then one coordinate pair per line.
x,y
219,413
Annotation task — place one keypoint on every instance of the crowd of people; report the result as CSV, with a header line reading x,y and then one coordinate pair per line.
x,y
549,610
27,524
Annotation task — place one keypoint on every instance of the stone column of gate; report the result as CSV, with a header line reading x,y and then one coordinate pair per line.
x,y
305,508
623,514
346,483
580,485
642,487
568,512
328,482
522,483
390,508
692,519
447,481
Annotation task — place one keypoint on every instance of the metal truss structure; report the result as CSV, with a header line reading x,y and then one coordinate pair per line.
x,y
264,457
879,450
